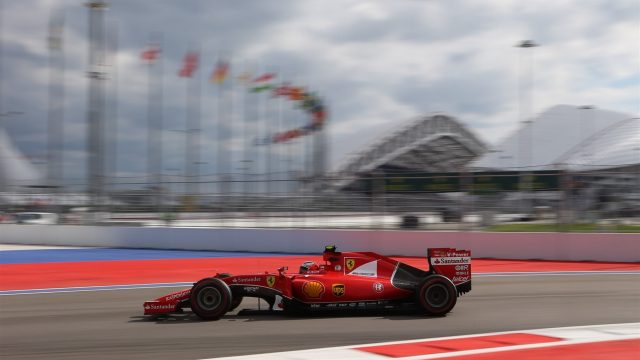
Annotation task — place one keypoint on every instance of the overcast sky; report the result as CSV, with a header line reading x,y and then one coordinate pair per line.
x,y
377,64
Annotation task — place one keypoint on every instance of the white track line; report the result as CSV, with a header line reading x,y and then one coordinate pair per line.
x,y
10,247
569,335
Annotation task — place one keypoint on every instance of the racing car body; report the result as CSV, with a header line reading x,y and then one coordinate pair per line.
x,y
346,280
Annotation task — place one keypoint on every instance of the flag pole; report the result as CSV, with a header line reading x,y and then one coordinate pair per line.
x,y
245,135
195,130
154,121
222,178
262,135
229,136
159,129
219,147
269,154
55,142
112,157
279,156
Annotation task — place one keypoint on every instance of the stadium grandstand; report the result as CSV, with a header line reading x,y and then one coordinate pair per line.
x,y
581,159
435,143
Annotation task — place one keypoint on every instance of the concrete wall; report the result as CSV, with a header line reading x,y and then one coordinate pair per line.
x,y
548,246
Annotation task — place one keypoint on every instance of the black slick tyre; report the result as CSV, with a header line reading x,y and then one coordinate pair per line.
x,y
436,295
210,298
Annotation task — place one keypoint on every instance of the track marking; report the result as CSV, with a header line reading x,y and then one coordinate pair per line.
x,y
179,284
94,288
565,336
558,273
11,247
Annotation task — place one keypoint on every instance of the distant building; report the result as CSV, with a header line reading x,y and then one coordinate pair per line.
x,y
567,137
433,144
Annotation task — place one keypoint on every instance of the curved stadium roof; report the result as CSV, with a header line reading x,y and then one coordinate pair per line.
x,y
615,146
560,136
436,143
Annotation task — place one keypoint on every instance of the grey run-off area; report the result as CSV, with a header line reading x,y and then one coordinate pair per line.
x,y
109,324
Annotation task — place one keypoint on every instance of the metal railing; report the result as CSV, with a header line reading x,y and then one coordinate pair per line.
x,y
447,201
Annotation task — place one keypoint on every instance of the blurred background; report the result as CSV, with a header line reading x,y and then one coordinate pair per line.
x,y
500,115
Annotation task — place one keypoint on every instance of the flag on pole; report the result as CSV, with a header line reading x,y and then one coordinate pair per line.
x,y
189,64
260,88
283,90
264,77
296,93
150,54
219,74
244,77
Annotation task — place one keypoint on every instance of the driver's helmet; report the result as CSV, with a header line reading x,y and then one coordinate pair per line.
x,y
308,265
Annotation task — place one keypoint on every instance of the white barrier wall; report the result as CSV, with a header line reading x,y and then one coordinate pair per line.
x,y
547,246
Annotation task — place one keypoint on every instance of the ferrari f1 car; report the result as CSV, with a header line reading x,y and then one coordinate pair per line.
x,y
346,280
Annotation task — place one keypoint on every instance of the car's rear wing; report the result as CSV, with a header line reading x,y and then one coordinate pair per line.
x,y
454,264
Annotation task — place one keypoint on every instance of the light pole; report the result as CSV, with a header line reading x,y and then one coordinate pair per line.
x,y
525,158
96,102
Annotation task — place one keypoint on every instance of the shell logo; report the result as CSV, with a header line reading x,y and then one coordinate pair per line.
x,y
313,289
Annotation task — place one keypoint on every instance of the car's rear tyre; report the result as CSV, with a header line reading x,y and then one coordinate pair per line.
x,y
437,295
210,298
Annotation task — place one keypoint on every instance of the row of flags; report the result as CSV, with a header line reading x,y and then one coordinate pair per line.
x,y
304,99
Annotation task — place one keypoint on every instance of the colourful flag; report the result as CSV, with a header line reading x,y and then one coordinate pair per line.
x,y
219,74
261,88
189,64
296,93
150,54
282,90
244,77
264,77
309,101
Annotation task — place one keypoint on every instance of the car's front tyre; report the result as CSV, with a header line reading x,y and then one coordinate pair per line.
x,y
210,298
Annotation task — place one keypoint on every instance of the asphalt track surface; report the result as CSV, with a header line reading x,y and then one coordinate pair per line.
x,y
109,324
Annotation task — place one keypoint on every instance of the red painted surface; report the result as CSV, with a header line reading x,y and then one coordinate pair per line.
x,y
58,275
491,265
605,350
468,343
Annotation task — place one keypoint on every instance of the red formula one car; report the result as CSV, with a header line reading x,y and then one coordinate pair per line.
x,y
347,280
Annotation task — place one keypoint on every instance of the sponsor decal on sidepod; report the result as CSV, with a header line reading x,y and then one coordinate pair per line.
x,y
313,289
337,289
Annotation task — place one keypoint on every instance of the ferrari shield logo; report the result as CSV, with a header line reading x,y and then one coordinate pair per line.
x,y
271,280
350,263
338,289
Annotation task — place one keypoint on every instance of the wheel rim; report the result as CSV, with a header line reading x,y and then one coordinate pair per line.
x,y
436,295
209,298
